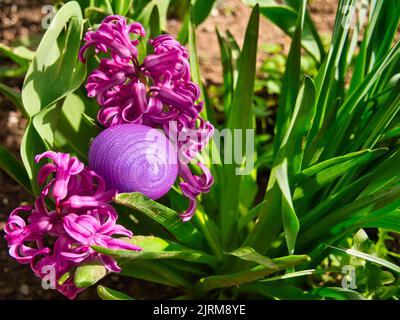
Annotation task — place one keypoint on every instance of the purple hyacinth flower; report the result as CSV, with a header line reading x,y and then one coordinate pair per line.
x,y
60,238
114,35
157,93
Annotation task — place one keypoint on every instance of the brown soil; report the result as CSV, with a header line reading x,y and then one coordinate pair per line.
x,y
20,21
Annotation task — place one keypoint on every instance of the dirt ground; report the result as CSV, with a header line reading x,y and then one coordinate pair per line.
x,y
20,21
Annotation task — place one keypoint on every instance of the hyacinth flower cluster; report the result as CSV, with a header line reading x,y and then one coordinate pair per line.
x,y
71,214
157,93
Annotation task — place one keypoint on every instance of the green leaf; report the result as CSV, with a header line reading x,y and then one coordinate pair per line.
x,y
110,294
338,293
249,254
74,125
346,219
240,118
143,13
19,54
328,81
371,258
236,279
201,10
88,274
14,169
168,218
313,179
276,290
289,218
227,71
194,62
14,97
45,122
277,205
390,221
31,145
353,106
156,271
55,62
290,82
158,248
121,7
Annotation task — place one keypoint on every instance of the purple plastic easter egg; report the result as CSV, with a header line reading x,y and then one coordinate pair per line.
x,y
135,158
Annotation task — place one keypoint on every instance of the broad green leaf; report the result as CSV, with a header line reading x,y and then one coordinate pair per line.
x,y
168,218
249,254
158,248
110,294
236,279
45,122
55,61
74,125
338,293
240,118
87,275
14,169
31,145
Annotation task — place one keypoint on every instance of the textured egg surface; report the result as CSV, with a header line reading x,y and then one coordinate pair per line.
x,y
135,158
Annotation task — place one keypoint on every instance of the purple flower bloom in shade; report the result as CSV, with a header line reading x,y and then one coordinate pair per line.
x,y
157,93
59,239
